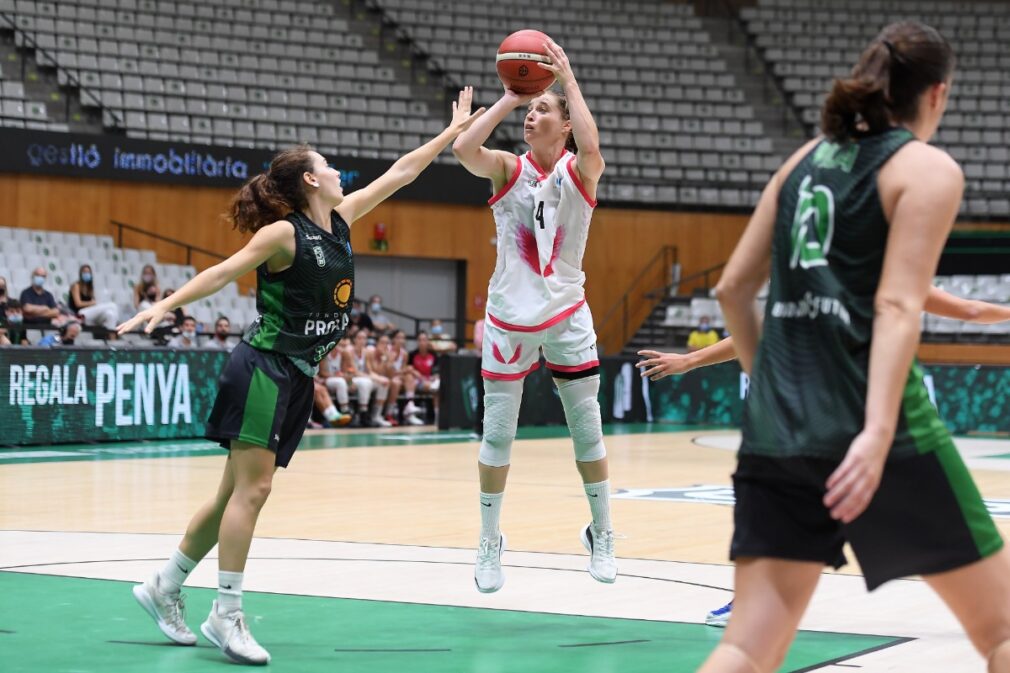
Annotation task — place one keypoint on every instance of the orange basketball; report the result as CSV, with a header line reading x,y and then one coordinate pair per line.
x,y
517,59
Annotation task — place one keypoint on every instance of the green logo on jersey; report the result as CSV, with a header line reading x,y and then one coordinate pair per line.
x,y
813,226
832,155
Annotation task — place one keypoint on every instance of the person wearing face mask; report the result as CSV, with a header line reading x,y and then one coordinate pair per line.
x,y
187,336
146,292
219,341
38,304
67,335
379,320
440,341
14,320
702,337
359,318
84,304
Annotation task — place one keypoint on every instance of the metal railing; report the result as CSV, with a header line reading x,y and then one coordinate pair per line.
x,y
704,274
622,309
190,249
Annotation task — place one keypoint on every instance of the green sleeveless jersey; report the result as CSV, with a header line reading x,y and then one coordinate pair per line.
x,y
304,309
807,395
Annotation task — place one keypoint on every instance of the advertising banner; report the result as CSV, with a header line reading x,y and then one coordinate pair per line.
x,y
51,396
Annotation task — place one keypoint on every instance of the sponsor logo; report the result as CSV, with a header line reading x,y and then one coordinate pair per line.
x,y
342,293
523,71
326,327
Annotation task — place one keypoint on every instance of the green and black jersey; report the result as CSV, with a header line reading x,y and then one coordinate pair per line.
x,y
808,393
304,310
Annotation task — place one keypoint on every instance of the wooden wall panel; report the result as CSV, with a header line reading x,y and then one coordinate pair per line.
x,y
621,241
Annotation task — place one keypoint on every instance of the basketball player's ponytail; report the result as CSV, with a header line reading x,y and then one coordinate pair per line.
x,y
270,196
884,87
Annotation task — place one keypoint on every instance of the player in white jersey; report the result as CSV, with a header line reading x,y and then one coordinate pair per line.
x,y
542,205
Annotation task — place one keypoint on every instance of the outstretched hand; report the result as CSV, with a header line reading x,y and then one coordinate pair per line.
x,y
660,365
461,116
559,65
152,316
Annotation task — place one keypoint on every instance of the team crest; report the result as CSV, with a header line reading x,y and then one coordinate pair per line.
x,y
342,293
320,257
813,226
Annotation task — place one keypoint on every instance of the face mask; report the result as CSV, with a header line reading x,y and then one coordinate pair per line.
x,y
355,313
67,342
703,327
436,329
15,319
147,278
38,281
376,307
189,334
85,277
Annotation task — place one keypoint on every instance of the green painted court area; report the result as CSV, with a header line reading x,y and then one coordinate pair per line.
x,y
81,625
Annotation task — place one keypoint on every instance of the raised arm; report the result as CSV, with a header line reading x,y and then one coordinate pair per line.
x,y
406,169
273,239
469,150
947,305
589,161
921,187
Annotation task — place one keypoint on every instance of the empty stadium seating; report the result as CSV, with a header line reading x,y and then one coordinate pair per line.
x,y
809,42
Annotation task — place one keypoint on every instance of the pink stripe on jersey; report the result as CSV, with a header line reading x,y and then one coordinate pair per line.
x,y
578,183
495,376
504,190
536,328
577,368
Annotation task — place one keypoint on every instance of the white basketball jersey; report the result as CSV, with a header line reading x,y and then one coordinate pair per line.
x,y
542,222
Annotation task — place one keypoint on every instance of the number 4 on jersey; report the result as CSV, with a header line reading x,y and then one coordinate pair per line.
x,y
540,214
813,226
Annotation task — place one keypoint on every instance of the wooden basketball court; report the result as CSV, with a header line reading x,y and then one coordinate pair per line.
x,y
363,560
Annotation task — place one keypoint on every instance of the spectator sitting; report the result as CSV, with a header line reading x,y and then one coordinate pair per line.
x,y
146,292
440,341
402,376
342,379
219,341
424,365
379,320
69,332
322,400
38,304
703,336
187,337
83,303
359,318
14,320
3,294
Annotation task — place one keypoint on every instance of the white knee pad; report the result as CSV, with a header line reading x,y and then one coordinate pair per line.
x,y
501,416
364,385
582,412
338,386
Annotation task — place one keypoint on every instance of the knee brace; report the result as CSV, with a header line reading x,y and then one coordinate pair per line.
x,y
582,412
501,416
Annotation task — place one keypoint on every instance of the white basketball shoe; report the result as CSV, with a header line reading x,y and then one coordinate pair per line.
x,y
600,544
231,635
167,610
488,575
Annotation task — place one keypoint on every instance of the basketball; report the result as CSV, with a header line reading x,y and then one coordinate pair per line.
x,y
517,59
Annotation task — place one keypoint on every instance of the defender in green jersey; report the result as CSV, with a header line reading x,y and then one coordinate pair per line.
x,y
840,443
301,251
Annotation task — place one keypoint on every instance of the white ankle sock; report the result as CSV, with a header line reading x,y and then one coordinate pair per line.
x,y
176,570
598,495
229,592
490,511
330,413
